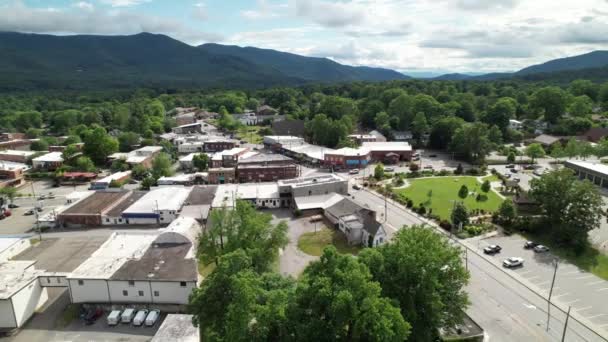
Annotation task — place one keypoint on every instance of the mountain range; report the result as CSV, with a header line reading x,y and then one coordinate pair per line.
x,y
35,61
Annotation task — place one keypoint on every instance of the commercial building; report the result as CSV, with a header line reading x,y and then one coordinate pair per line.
x,y
74,178
379,136
143,156
49,161
198,203
20,293
191,147
218,145
14,141
113,215
262,195
358,224
90,210
147,268
277,142
159,206
289,127
313,185
597,173
12,174
229,158
348,158
221,175
361,138
185,179
177,328
104,183
382,151
11,245
188,128
16,156
261,167
185,119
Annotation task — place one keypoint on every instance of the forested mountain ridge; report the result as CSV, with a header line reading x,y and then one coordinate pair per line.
x,y
302,67
34,61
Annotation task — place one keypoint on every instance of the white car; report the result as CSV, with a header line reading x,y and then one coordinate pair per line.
x,y
541,249
140,317
114,317
389,169
152,318
354,171
513,262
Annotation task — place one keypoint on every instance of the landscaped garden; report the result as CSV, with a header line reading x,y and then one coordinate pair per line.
x,y
313,243
439,194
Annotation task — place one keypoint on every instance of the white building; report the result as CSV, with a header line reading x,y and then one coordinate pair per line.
x,y
185,179
11,245
263,195
177,328
159,206
314,185
515,124
191,147
20,293
149,268
185,162
105,182
48,161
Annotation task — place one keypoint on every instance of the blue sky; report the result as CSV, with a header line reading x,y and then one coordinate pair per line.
x,y
406,35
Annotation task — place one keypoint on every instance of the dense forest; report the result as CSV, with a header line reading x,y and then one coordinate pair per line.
x,y
468,117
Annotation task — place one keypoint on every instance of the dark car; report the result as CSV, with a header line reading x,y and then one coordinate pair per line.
x,y
492,249
29,212
432,156
92,315
529,167
356,187
530,244
510,166
513,170
13,206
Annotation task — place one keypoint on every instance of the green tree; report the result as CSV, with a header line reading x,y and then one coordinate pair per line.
x,y
507,212
147,183
557,151
127,140
139,172
84,164
511,157
379,172
243,228
535,151
337,300
485,186
472,141
162,166
584,87
572,149
442,132
463,192
460,215
551,101
119,165
422,272
336,107
71,140
419,127
70,151
581,106
201,161
571,207
495,135
501,112
9,192
382,122
98,145
603,96
39,145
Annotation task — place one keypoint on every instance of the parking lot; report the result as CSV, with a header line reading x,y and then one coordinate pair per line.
x,y
586,293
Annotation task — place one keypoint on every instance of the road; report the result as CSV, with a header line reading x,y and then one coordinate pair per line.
x,y
507,306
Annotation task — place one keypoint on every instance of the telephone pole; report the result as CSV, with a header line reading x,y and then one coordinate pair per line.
x,y
551,293
566,324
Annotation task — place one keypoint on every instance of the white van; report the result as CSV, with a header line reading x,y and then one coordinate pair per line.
x,y
152,318
140,317
114,317
127,315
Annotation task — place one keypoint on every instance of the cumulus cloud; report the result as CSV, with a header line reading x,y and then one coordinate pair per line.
x,y
123,3
486,4
84,5
331,14
17,16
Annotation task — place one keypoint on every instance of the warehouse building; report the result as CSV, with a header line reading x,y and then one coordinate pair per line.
x,y
16,156
313,185
90,210
596,173
198,203
159,206
20,293
157,268
221,175
262,195
11,245
261,167
104,183
348,158
49,161
143,156
113,215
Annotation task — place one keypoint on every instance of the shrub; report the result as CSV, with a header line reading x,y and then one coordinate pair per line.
x,y
445,224
414,167
421,209
474,171
458,170
410,203
297,213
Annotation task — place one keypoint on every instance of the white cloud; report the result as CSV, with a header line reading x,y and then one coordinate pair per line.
x,y
265,10
123,3
200,11
84,5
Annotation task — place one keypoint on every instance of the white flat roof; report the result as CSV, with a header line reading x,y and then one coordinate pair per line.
x,y
18,153
188,158
225,193
230,152
312,151
352,152
318,201
387,146
177,328
50,157
306,181
163,198
596,167
176,178
114,176
119,248
15,275
7,165
149,149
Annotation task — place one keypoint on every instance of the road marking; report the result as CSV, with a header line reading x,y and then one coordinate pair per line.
x,y
597,282
590,317
583,309
604,289
585,277
573,301
572,272
561,295
530,306
534,277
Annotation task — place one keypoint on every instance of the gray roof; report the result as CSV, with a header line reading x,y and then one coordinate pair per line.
x,y
344,207
201,195
546,139
264,158
372,226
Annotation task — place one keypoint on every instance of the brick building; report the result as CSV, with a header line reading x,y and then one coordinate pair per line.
x,y
12,174
218,145
381,151
16,156
221,175
348,158
251,173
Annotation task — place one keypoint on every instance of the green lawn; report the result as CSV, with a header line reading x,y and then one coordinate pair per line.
x,y
250,134
314,243
444,190
492,178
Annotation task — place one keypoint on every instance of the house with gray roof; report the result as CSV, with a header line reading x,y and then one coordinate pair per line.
x,y
358,223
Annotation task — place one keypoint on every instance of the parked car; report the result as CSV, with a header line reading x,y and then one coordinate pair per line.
x,y
92,315
510,166
50,196
354,171
492,249
114,317
7,213
41,197
513,262
127,315
541,249
508,175
529,167
39,209
517,179
530,244
356,187
513,170
152,318
13,206
389,169
140,317
29,212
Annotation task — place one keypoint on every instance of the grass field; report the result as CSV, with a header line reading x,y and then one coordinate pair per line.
x,y
492,178
250,134
314,243
439,193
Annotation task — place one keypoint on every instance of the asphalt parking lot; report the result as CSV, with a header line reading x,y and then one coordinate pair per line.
x,y
586,293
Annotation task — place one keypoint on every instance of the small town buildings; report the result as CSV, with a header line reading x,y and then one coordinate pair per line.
x,y
229,158
16,156
113,215
186,162
185,119
186,179
73,178
262,195
20,293
143,156
50,161
515,125
177,328
597,173
221,175
218,145
157,268
358,224
595,134
158,206
198,203
89,211
266,110
547,140
313,185
262,167
61,148
189,128
278,142
12,174
348,158
289,128
191,147
14,141
361,138
379,136
316,204
104,183
406,136
11,245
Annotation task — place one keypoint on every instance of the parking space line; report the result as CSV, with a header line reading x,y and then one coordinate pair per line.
x,y
572,301
604,289
585,277
597,282
598,315
583,309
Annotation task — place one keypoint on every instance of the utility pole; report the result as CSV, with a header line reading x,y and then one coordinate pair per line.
x,y
566,324
466,258
551,293
385,208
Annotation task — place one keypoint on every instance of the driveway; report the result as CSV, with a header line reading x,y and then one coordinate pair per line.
x,y
292,260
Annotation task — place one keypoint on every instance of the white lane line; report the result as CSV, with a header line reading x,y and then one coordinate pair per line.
x,y
597,282
594,316
561,295
604,289
573,301
585,277
583,309
572,272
